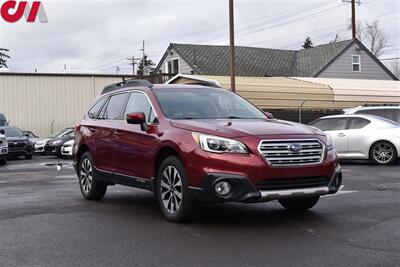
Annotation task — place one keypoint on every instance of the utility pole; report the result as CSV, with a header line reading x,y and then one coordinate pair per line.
x,y
353,16
232,44
117,69
133,63
143,61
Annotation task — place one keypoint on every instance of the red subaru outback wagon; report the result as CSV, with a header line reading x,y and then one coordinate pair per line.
x,y
192,143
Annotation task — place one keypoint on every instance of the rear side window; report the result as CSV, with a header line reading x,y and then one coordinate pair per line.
x,y
330,124
138,102
94,111
385,113
358,123
115,107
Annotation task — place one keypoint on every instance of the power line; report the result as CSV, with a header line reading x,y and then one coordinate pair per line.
x,y
275,18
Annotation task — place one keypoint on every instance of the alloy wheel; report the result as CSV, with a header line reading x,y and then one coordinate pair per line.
x,y
171,189
383,153
86,175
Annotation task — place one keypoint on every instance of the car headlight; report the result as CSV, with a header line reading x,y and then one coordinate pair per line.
x,y
3,142
57,142
329,142
40,143
217,144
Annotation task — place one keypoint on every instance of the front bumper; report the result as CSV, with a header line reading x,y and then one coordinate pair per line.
x,y
66,151
244,191
20,151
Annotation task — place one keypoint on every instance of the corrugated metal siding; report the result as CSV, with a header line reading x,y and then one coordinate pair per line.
x,y
352,92
276,92
183,66
36,102
342,67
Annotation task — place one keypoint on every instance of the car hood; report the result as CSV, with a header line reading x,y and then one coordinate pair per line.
x,y
39,140
242,127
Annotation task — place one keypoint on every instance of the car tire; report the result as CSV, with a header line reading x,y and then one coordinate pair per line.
x,y
28,156
383,153
172,190
91,187
299,204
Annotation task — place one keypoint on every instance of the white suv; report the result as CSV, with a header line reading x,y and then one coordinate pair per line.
x,y
391,112
3,148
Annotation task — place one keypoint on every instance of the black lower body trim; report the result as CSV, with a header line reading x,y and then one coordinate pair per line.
x,y
116,178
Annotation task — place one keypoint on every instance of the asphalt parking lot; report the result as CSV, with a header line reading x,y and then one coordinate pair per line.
x,y
45,222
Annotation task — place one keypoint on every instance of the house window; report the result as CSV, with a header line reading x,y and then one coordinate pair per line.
x,y
356,62
172,66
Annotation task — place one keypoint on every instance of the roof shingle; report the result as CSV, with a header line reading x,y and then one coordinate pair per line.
x,y
259,62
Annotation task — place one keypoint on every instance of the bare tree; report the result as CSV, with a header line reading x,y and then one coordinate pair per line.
x,y
336,39
376,38
394,67
372,36
4,57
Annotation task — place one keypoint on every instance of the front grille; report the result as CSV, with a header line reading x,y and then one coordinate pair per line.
x,y
292,152
292,183
16,144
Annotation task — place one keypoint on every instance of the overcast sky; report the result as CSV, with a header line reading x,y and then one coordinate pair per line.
x,y
99,35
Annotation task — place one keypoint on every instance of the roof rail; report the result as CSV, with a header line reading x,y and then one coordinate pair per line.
x,y
126,83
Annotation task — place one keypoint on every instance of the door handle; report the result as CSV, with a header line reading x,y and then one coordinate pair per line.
x,y
341,134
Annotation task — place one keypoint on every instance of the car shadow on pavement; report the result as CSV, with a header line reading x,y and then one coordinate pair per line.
x,y
239,214
362,162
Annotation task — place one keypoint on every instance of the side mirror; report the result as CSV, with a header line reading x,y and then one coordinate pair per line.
x,y
2,131
137,118
26,135
269,115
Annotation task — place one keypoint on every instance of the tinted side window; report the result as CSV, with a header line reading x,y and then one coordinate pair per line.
x,y
385,113
138,102
358,123
330,124
96,108
115,107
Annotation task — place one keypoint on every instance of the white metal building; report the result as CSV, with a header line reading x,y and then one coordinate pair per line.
x,y
47,103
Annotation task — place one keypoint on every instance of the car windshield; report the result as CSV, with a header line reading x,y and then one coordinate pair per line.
x,y
13,132
205,104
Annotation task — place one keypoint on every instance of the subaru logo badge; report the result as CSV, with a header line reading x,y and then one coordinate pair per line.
x,y
294,148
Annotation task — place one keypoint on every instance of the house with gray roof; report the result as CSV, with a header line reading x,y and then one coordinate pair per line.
x,y
346,59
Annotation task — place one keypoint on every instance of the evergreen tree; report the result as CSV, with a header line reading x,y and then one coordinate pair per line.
x,y
308,43
148,64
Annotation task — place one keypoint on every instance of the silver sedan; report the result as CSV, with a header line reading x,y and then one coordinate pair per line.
x,y
362,137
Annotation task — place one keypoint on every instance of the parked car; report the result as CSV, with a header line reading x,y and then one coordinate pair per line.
x,y
66,149
195,143
391,112
3,121
3,147
56,140
18,144
31,136
58,143
363,137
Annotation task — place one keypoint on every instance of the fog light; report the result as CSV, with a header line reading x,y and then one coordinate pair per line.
x,y
222,188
